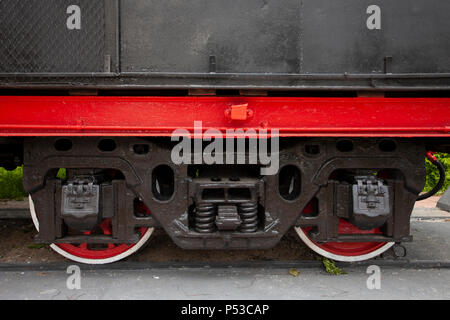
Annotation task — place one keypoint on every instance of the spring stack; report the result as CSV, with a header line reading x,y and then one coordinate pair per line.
x,y
249,215
205,217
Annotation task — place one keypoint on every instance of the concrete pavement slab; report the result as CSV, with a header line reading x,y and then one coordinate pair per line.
x,y
204,284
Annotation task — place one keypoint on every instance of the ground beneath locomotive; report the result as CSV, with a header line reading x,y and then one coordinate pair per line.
x,y
17,246
429,228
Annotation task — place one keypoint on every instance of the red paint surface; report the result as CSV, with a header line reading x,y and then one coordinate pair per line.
x,y
160,116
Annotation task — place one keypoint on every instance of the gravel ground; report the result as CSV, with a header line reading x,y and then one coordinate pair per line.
x,y
17,246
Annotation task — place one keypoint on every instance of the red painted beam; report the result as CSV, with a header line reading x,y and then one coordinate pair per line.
x,y
160,116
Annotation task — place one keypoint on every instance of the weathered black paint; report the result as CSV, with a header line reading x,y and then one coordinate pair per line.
x,y
273,44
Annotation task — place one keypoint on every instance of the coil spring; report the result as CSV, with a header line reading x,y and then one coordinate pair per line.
x,y
205,217
249,216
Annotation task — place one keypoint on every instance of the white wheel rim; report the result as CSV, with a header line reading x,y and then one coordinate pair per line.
x,y
337,257
67,255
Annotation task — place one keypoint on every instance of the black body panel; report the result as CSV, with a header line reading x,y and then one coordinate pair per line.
x,y
272,44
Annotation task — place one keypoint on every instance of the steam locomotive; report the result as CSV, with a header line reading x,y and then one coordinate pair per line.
x,y
225,123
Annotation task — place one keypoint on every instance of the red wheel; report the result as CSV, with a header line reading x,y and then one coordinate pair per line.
x,y
346,251
108,253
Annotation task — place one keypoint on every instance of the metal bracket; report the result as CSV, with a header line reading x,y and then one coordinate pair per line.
x,y
80,203
370,196
228,218
371,206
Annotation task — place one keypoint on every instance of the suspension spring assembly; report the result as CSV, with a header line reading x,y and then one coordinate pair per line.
x,y
205,216
249,216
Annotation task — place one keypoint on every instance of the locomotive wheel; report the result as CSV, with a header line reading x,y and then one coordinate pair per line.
x,y
81,253
345,251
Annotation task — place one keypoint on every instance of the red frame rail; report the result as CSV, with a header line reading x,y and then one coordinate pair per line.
x,y
160,116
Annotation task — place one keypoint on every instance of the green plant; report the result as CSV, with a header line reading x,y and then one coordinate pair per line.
x,y
433,173
330,266
62,174
11,187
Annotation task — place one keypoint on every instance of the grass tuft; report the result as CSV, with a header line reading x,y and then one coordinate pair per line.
x,y
330,267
